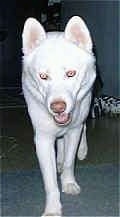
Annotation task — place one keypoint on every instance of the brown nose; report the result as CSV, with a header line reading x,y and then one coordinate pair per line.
x,y
58,106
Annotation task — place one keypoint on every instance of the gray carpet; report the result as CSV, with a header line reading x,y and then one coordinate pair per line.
x,y
23,193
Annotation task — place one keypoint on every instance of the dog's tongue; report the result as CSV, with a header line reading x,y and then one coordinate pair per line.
x,y
62,118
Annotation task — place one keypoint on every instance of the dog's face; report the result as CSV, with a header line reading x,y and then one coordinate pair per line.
x,y
58,64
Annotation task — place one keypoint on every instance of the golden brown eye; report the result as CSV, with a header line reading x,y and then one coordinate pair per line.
x,y
44,76
71,73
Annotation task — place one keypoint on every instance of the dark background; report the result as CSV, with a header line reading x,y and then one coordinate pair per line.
x,y
101,17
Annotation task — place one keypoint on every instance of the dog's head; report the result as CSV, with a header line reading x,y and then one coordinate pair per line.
x,y
59,65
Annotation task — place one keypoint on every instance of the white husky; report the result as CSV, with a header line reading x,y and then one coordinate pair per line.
x,y
58,74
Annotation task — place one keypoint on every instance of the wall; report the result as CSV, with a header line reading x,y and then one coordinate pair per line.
x,y
102,20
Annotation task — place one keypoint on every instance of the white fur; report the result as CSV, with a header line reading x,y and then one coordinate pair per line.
x,y
55,54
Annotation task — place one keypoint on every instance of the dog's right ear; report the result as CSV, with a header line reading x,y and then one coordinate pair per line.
x,y
33,34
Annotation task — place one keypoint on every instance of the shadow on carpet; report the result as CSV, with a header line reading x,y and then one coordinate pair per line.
x,y
23,193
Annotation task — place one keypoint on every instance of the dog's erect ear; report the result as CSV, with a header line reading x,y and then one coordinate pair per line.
x,y
77,32
33,34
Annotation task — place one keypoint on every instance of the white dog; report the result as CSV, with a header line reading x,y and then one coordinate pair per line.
x,y
58,75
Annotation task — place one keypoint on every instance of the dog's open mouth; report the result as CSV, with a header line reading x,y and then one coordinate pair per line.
x,y
62,118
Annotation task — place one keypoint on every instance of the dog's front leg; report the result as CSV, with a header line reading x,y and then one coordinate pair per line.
x,y
69,184
46,156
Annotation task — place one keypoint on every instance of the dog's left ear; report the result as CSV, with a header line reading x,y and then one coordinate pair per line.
x,y
33,34
77,32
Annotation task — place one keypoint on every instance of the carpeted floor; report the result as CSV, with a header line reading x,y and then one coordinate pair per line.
x,y
23,193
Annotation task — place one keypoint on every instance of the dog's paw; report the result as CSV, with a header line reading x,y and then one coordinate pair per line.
x,y
71,188
53,208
